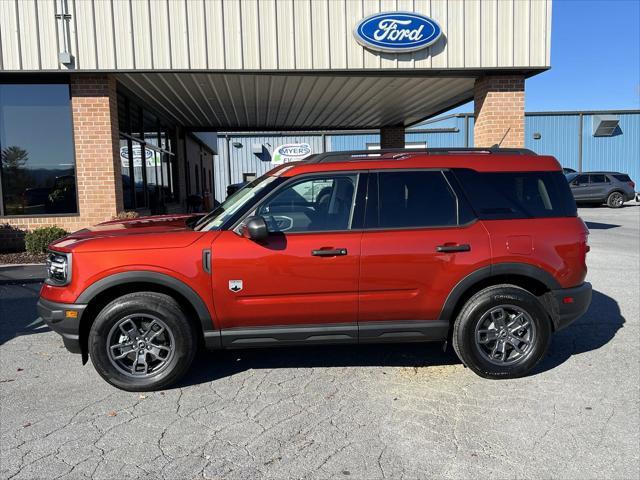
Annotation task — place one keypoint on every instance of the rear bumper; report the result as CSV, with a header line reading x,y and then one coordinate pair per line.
x,y
569,304
59,317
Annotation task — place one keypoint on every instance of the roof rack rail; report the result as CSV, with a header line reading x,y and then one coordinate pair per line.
x,y
387,153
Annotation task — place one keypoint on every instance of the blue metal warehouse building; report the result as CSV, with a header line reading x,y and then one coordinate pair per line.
x,y
584,141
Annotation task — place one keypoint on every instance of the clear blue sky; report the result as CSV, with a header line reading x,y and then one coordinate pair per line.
x,y
588,72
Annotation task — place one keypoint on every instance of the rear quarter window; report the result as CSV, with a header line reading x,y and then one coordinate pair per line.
x,y
503,195
622,178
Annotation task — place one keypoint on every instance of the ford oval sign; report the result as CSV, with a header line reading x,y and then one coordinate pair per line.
x,y
397,32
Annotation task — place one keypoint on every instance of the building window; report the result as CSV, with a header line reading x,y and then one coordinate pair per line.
x,y
248,177
37,174
149,180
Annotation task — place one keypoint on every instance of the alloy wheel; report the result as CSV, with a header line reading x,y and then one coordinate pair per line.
x,y
140,345
505,335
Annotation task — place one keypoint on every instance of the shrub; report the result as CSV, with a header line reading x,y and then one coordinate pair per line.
x,y
38,240
11,238
126,215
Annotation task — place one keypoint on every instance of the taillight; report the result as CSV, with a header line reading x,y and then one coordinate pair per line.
x,y
632,185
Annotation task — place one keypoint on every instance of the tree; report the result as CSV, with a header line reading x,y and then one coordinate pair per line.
x,y
14,159
14,177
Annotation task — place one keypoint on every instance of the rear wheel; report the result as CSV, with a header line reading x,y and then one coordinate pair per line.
x,y
142,341
503,331
615,200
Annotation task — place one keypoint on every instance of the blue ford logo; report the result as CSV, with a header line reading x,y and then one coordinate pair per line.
x,y
397,32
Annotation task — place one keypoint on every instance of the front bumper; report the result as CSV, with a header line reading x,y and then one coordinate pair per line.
x,y
569,304
64,319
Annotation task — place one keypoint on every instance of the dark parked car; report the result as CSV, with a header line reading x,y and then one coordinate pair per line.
x,y
612,188
567,170
234,187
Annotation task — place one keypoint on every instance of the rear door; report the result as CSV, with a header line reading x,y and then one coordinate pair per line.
x,y
301,283
419,242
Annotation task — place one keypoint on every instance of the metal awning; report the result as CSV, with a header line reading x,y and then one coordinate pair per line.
x,y
281,101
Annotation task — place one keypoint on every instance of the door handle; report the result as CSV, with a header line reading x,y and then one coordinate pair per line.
x,y
465,247
334,252
206,260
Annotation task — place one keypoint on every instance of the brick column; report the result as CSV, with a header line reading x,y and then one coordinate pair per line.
x,y
95,130
392,137
94,111
499,111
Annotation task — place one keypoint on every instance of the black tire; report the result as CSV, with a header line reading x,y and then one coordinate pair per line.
x,y
615,200
465,331
159,306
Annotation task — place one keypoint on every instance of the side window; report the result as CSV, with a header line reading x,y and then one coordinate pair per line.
x,y
415,199
581,180
598,178
311,205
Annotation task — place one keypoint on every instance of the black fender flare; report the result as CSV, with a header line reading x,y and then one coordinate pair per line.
x,y
521,269
211,334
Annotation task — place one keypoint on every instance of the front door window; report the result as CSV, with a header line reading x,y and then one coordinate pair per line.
x,y
312,205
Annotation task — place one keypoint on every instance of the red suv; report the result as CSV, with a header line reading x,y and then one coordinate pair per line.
x,y
480,247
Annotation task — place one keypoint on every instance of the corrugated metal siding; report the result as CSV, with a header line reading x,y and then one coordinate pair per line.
x,y
621,152
340,143
559,137
266,34
243,160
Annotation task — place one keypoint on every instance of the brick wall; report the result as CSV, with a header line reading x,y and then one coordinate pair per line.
x,y
95,132
392,137
499,111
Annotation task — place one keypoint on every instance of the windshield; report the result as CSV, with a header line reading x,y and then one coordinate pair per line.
x,y
218,216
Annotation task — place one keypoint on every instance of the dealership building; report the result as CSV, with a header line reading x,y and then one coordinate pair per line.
x,y
107,106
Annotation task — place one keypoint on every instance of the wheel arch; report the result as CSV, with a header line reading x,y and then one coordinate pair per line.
x,y
99,294
531,278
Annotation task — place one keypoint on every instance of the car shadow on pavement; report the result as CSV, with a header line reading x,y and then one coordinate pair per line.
x,y
211,366
593,330
600,226
18,314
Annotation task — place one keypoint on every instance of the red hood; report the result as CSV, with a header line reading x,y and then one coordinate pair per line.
x,y
134,226
173,229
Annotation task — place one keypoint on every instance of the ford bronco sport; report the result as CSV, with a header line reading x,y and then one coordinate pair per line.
x,y
479,247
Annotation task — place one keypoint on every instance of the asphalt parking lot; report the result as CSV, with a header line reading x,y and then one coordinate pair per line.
x,y
340,412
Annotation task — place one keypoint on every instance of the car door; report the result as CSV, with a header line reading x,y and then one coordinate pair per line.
x,y
419,242
580,188
598,186
301,283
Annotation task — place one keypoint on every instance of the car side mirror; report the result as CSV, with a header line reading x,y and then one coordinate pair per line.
x,y
255,228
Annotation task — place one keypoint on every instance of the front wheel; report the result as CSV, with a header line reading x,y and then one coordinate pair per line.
x,y
142,341
615,200
503,331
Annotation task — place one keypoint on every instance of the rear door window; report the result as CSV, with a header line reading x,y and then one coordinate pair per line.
x,y
411,199
502,195
598,178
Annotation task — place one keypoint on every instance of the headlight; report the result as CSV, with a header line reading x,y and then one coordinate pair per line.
x,y
58,269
